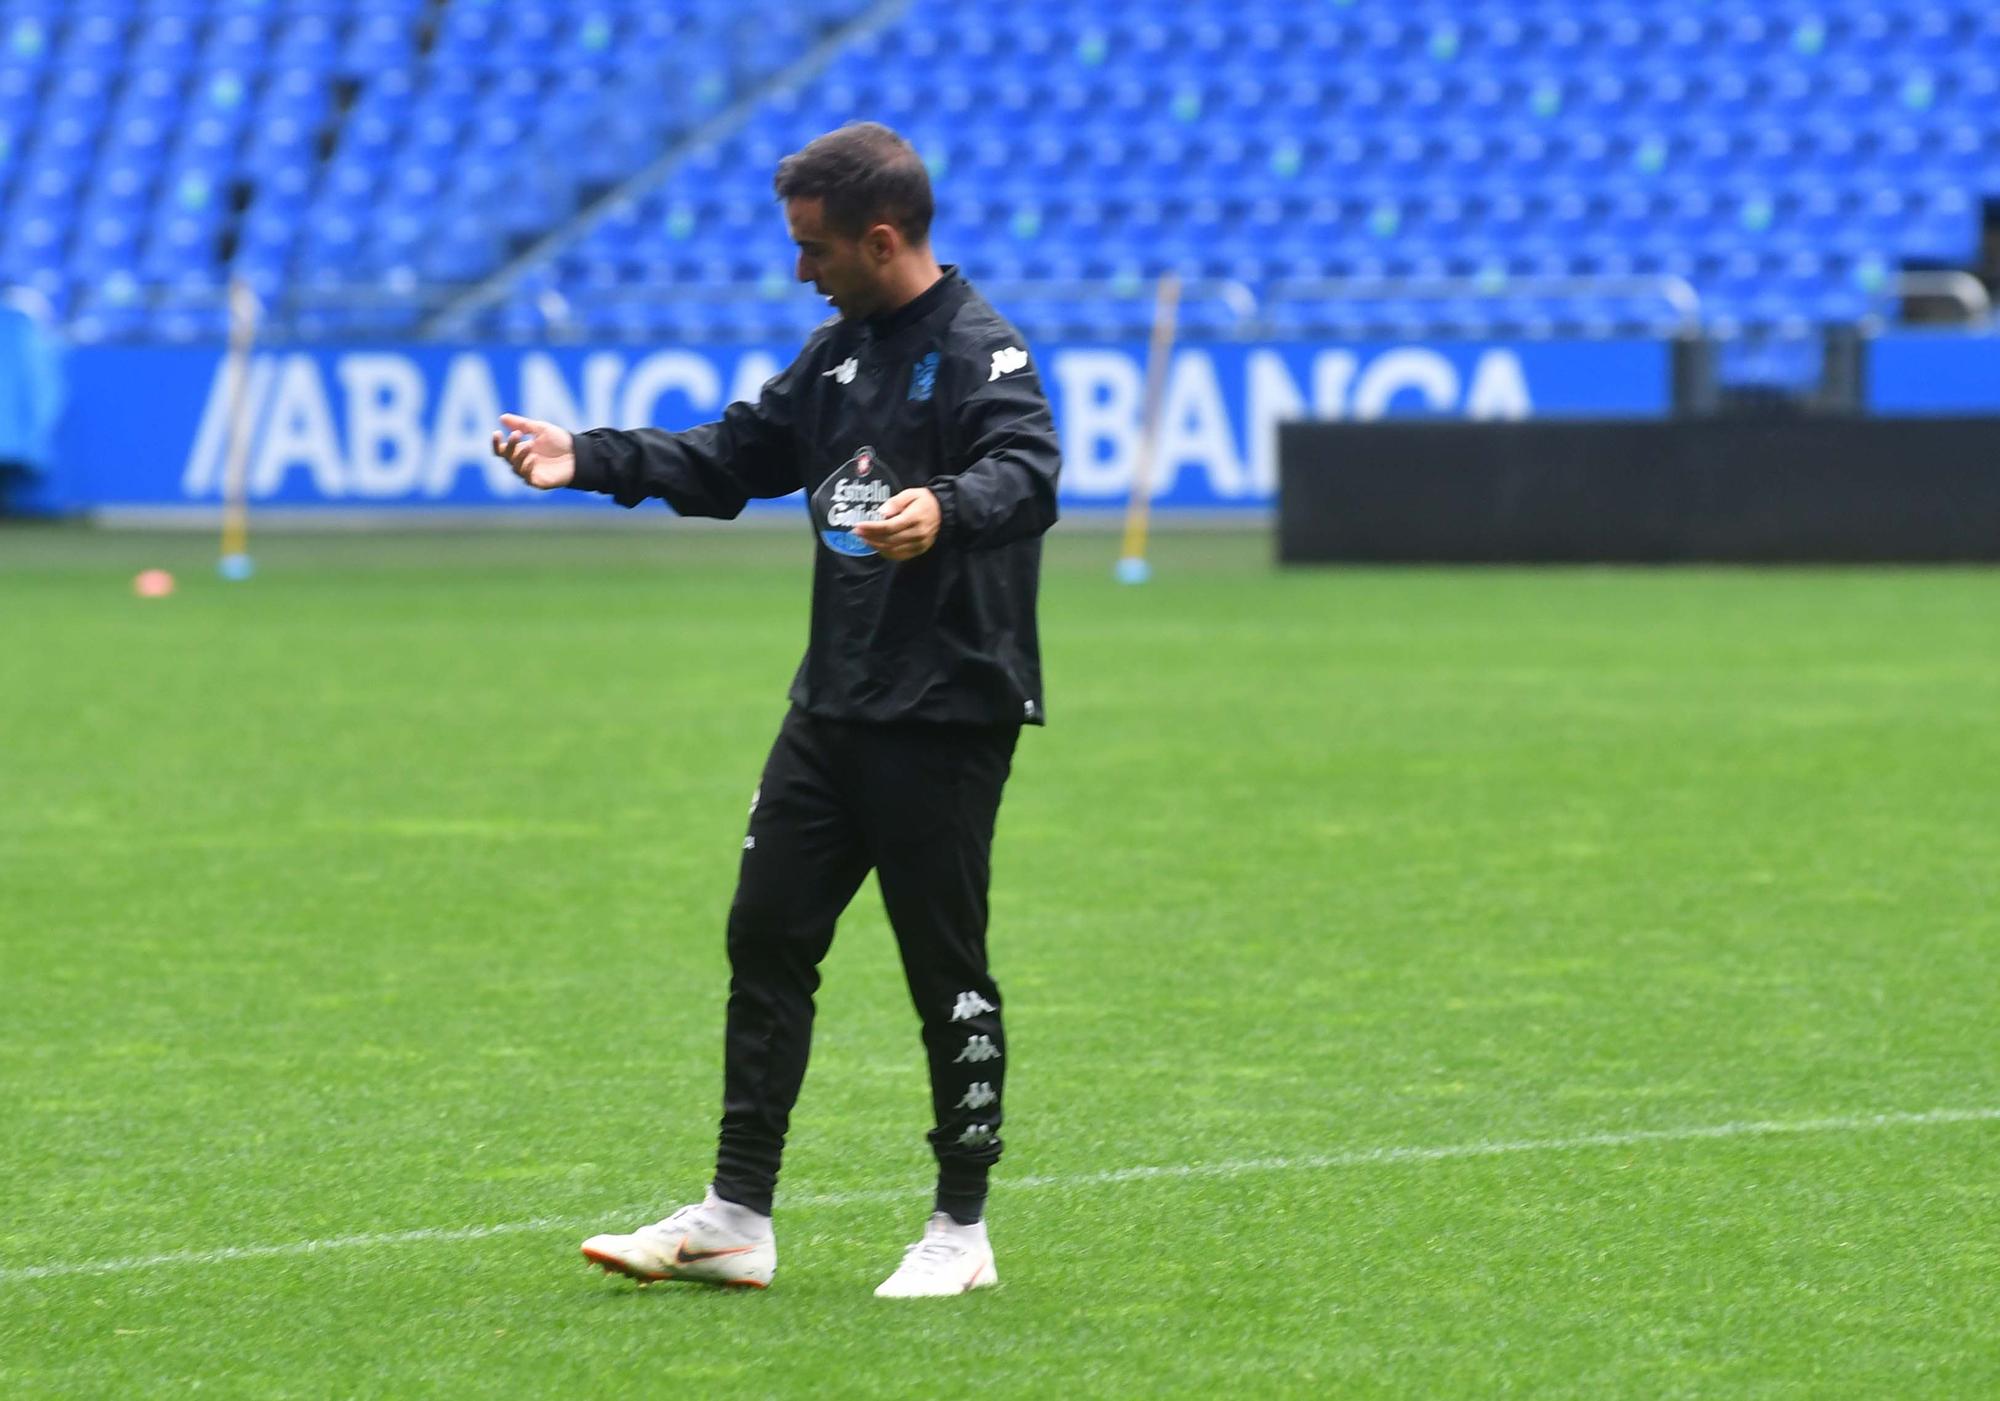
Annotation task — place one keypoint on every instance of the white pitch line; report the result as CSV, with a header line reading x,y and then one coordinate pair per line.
x,y
296,1247
1319,1162
1365,1157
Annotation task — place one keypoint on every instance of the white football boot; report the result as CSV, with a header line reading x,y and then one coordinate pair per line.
x,y
711,1242
950,1259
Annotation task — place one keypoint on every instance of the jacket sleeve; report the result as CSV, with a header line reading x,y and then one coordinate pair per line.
x,y
1003,486
711,470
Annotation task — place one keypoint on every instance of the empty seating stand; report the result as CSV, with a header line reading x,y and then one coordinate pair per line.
x,y
1784,158
354,160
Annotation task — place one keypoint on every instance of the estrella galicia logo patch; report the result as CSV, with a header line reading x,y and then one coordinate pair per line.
x,y
854,493
923,377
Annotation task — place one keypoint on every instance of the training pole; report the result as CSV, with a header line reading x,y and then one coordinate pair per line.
x,y
235,561
1132,566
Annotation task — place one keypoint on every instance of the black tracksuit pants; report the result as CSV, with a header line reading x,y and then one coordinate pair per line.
x,y
916,803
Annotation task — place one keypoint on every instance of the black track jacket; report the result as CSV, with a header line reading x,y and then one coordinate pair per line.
x,y
938,393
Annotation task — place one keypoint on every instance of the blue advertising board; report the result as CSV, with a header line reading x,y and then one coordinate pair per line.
x,y
409,427
1943,373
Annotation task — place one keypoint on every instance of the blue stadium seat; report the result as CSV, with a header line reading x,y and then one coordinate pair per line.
x,y
381,39
236,41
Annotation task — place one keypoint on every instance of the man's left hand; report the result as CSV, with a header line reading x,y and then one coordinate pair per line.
x,y
909,524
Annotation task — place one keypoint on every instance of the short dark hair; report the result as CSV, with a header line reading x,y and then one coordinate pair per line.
x,y
865,174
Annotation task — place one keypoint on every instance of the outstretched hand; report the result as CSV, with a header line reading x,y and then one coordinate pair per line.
x,y
909,524
541,454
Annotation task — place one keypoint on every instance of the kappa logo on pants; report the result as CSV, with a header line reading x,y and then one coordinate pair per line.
x,y
978,1095
970,1005
978,1048
978,1136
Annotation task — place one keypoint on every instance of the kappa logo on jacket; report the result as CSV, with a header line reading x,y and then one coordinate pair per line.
x,y
1007,360
844,372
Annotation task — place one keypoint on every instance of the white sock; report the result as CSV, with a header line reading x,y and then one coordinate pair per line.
x,y
975,1234
736,1216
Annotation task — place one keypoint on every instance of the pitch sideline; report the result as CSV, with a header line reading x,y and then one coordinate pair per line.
x,y
1319,1162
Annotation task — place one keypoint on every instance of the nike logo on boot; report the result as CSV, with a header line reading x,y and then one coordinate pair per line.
x,y
684,1256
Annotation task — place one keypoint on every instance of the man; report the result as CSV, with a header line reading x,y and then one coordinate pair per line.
x,y
917,423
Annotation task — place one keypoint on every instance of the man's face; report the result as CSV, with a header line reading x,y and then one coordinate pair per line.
x,y
841,269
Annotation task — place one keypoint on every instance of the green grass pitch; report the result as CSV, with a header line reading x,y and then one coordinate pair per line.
x,y
1420,983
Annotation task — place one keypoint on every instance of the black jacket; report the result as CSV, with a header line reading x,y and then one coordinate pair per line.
x,y
939,393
